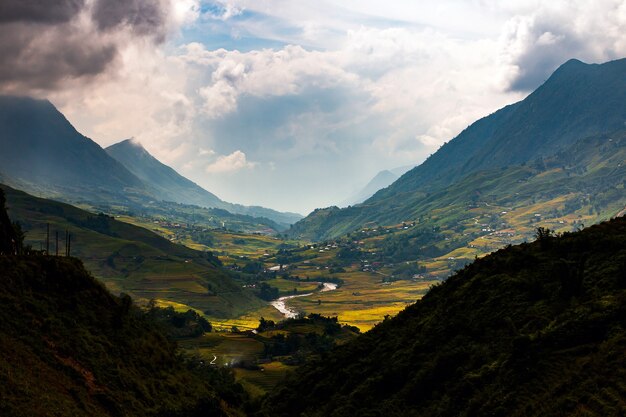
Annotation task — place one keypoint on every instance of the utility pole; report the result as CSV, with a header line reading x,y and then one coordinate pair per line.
x,y
69,243
47,239
56,234
66,239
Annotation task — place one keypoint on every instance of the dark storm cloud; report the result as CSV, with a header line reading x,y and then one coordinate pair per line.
x,y
43,61
45,44
39,11
145,17
549,44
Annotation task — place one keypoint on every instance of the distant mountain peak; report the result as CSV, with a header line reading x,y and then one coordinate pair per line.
x,y
169,185
132,141
129,144
577,101
573,62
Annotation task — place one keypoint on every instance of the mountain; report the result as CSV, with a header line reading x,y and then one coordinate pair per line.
x,y
400,171
69,347
531,330
578,101
381,180
42,152
166,184
132,259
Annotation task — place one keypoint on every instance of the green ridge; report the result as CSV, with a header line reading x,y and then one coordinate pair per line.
x,y
70,348
132,259
534,329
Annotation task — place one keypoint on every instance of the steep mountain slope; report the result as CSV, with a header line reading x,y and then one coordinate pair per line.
x,y
42,152
165,183
131,259
534,329
381,180
576,102
168,185
69,347
582,184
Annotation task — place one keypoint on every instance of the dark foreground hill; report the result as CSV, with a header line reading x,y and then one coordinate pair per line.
x,y
70,348
536,329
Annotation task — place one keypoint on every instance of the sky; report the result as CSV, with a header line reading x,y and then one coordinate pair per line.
x,y
292,104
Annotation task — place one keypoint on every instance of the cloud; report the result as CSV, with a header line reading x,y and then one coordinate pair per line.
x,y
265,73
223,11
535,44
332,90
226,164
44,60
143,17
12,11
47,48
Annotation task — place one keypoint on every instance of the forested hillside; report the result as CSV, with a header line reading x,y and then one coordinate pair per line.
x,y
131,259
531,330
70,348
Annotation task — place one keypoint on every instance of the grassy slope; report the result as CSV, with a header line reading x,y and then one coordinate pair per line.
x,y
591,172
132,259
71,348
534,329
577,102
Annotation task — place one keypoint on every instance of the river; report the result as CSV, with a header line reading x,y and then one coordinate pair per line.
x,y
289,312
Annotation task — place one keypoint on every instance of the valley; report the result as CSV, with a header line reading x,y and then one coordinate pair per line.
x,y
518,219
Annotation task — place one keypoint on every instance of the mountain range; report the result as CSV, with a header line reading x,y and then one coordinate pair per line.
x,y
168,185
579,101
42,153
381,180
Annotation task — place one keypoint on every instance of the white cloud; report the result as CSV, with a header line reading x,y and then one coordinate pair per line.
x,y
336,90
206,152
264,73
535,43
227,164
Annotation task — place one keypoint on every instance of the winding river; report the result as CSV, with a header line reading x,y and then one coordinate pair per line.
x,y
289,312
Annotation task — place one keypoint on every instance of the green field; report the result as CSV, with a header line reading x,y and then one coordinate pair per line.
x,y
132,259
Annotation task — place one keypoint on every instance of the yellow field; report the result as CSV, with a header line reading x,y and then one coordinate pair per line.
x,y
363,300
249,321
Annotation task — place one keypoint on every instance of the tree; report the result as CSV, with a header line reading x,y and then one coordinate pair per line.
x,y
10,241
